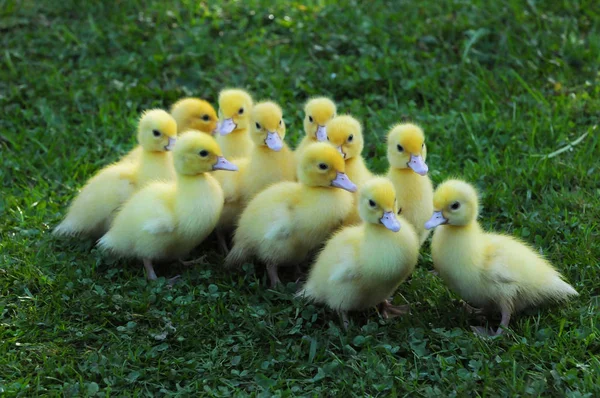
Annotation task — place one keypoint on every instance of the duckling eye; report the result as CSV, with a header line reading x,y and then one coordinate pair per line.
x,y
310,119
206,118
257,125
351,137
455,206
400,148
400,210
241,111
422,145
203,153
281,122
323,166
156,133
372,203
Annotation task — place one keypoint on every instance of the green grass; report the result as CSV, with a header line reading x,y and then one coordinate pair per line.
x,y
496,85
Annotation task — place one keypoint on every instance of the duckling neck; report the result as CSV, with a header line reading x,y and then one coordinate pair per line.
x,y
190,183
239,130
458,246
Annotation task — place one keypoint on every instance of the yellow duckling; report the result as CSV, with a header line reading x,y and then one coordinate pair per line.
x,y
166,220
361,266
235,107
270,161
190,114
317,112
488,270
95,206
288,220
345,133
194,114
406,154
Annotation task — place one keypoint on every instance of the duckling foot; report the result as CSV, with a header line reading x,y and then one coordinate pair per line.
x,y
490,333
388,310
470,309
150,274
199,260
172,281
434,272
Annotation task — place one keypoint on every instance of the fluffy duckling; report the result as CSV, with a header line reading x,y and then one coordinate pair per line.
x,y
345,133
488,270
317,112
270,161
194,114
288,220
406,154
361,266
95,206
189,114
235,107
166,220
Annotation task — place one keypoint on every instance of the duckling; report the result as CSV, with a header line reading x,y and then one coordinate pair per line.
x,y
406,154
270,161
166,220
345,133
194,114
189,114
361,266
95,206
486,269
235,107
288,220
317,112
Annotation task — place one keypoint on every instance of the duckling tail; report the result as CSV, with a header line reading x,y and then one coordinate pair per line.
x,y
561,290
236,257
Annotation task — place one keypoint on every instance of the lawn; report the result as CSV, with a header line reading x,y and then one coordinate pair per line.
x,y
499,87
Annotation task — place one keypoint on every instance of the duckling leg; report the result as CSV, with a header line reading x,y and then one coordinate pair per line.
x,y
388,310
150,274
503,322
470,309
222,241
345,321
273,275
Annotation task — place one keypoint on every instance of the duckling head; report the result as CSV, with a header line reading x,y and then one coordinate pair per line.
x,y
157,131
194,114
267,128
455,202
321,165
345,133
235,106
377,203
406,148
197,153
318,111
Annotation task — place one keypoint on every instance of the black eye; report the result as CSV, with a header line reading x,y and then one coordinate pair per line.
x,y
323,166
257,125
310,119
241,111
400,210
400,148
156,133
423,146
203,153
455,206
372,203
351,137
206,118
281,122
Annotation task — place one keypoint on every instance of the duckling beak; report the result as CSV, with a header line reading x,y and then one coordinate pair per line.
x,y
321,133
171,144
224,164
342,181
435,220
390,221
418,165
274,141
341,151
226,126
